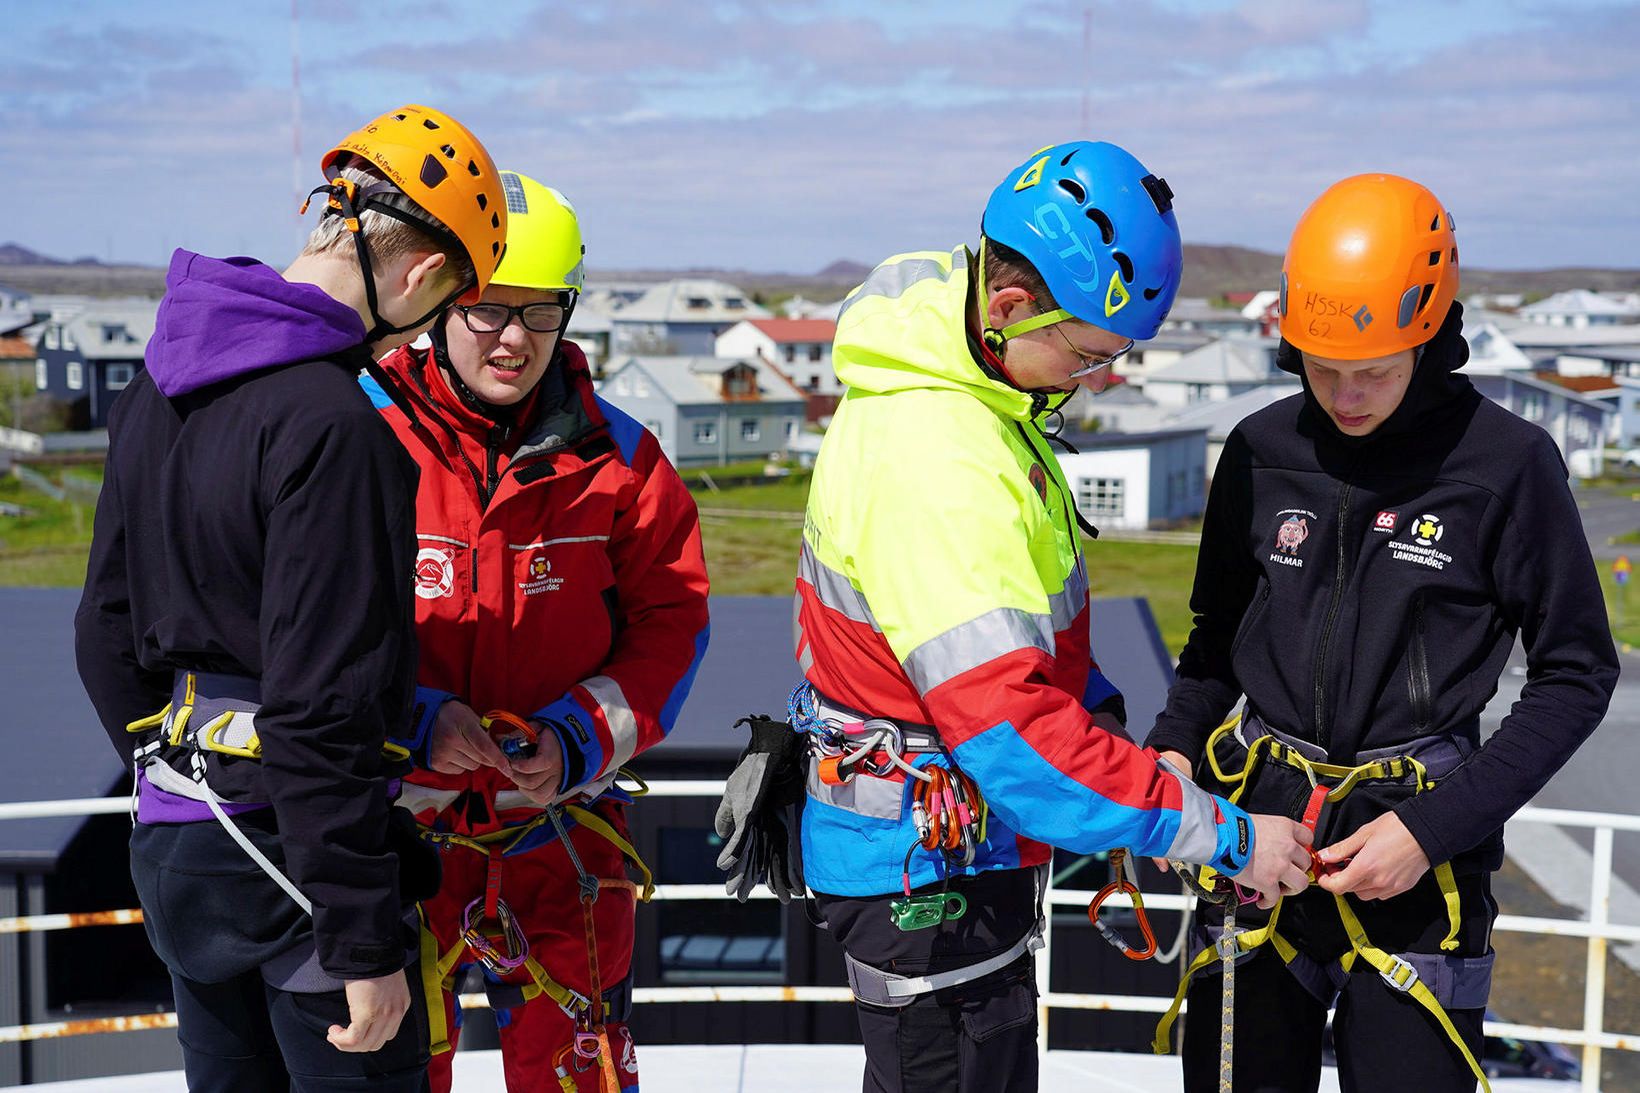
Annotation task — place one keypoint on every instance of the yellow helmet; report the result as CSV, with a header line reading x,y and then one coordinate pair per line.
x,y
544,248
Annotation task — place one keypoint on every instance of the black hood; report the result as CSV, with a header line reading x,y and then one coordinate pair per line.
x,y
1435,391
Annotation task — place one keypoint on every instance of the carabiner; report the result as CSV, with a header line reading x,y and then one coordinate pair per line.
x,y
1120,883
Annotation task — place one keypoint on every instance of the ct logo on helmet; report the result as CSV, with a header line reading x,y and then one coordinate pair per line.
x,y
435,573
1427,530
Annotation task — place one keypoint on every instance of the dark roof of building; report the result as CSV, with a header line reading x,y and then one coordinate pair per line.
x,y
56,749
749,668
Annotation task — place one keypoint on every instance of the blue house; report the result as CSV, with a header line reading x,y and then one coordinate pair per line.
x,y
87,359
708,410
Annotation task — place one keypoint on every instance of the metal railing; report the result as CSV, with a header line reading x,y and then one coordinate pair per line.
x,y
1597,929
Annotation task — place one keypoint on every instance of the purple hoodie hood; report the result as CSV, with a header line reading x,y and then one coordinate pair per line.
x,y
225,317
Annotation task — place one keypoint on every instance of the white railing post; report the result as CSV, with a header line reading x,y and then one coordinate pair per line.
x,y
1594,982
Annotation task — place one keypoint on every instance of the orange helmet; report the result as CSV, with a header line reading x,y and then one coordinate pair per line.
x,y
439,169
1372,269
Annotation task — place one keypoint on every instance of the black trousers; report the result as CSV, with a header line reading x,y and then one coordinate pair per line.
x,y
243,1036
1383,1039
979,1037
219,923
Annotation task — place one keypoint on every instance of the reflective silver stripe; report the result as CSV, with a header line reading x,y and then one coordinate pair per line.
x,y
555,542
1198,837
440,539
879,798
1065,605
623,727
834,589
805,652
974,642
890,281
418,798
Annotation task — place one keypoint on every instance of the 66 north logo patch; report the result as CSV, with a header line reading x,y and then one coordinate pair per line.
x,y
1385,522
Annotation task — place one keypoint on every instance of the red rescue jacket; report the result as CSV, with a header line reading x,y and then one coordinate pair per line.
x,y
559,576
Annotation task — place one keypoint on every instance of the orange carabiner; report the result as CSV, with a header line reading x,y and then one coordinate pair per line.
x,y
1118,859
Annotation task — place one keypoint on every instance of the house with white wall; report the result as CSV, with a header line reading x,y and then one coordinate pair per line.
x,y
680,317
1137,481
1581,308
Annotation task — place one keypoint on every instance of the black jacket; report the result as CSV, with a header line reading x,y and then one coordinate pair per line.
x,y
1365,592
263,526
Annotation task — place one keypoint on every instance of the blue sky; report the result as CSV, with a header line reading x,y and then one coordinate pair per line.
x,y
784,135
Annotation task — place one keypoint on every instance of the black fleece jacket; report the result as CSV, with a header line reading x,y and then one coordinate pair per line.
x,y
1365,592
264,526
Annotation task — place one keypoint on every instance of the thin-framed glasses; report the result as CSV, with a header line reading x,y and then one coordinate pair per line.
x,y
543,318
1091,365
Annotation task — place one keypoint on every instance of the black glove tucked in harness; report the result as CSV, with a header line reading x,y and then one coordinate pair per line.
x,y
759,816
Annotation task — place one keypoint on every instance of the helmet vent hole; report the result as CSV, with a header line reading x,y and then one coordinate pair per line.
x,y
1152,293
1454,256
1074,188
495,248
1434,257
1450,226
449,151
1407,308
495,220
432,171
429,123
1126,265
400,117
1435,225
1423,299
472,168
1107,230
483,202
1068,156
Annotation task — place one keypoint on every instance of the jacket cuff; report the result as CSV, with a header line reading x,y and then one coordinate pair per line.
x,y
577,735
1413,812
1235,830
422,716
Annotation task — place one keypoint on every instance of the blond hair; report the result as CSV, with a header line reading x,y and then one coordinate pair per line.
x,y
387,236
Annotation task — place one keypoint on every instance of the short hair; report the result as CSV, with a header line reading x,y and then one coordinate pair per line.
x,y
1007,268
387,236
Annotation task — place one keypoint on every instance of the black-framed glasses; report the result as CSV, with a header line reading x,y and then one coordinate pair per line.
x,y
1091,365
543,318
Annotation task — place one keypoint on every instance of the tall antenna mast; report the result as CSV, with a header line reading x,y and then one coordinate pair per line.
x,y
1086,132
296,122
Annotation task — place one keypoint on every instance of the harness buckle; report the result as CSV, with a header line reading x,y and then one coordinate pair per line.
x,y
1401,976
577,1005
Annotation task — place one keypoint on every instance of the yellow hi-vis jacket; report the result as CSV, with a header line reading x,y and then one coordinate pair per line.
x,y
941,582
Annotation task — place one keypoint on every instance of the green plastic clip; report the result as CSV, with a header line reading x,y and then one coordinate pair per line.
x,y
921,912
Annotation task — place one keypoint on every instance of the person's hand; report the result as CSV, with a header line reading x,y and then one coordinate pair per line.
x,y
1280,863
375,1007
1186,771
1383,860
460,743
538,776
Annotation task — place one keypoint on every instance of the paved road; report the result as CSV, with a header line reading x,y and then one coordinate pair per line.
x,y
1609,513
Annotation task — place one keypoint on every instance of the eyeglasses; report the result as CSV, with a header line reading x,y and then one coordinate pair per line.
x,y
1091,365
543,318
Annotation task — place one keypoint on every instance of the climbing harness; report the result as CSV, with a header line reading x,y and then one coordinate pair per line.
x,y
1416,767
491,933
210,714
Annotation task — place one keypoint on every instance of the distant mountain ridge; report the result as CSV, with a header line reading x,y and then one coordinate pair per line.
x,y
1210,270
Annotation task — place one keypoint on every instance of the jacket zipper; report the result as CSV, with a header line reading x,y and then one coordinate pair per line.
x,y
1418,666
1321,734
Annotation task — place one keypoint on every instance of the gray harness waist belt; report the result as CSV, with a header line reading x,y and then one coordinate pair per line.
x,y
915,738
880,988
1439,755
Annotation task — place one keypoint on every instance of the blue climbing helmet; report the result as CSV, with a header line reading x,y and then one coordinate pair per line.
x,y
1100,230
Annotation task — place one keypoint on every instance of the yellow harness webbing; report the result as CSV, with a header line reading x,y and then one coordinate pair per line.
x,y
1396,972
438,970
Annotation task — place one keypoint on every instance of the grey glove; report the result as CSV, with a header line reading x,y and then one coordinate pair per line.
x,y
758,844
